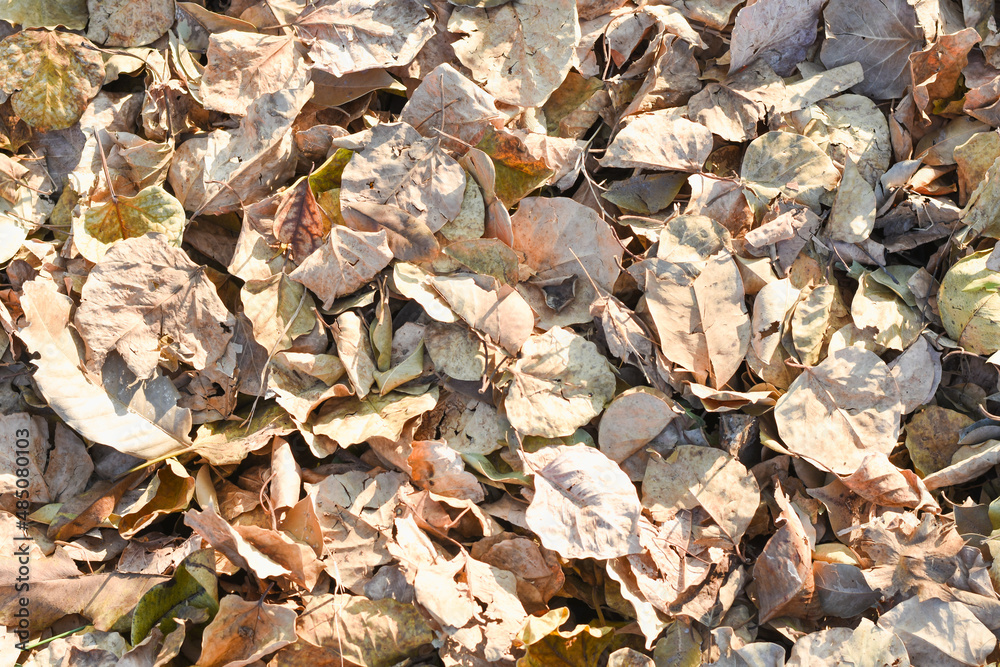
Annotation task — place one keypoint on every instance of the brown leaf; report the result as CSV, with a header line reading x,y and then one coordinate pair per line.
x,y
243,631
242,66
775,31
784,570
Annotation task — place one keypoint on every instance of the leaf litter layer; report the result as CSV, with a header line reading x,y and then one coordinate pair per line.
x,y
500,332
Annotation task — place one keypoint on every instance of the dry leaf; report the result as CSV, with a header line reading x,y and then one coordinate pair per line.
x,y
129,22
838,412
242,66
584,505
560,383
521,52
776,31
243,631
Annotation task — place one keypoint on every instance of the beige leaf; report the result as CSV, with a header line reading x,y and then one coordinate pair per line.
x,y
224,170
560,383
838,412
499,313
784,571
83,405
446,103
852,217
224,538
144,290
866,644
877,307
344,263
851,126
243,631
151,210
584,505
782,162
775,31
661,140
455,351
520,51
355,351
439,468
633,418
352,421
357,35
702,476
280,311
936,632
242,66
561,238
400,168
129,22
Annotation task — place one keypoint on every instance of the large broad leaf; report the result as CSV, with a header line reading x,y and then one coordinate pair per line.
x,y
561,382
129,22
357,35
584,506
838,412
52,76
242,66
194,584
144,290
521,51
344,263
400,168
152,210
71,14
84,406
970,304
880,34
244,631
776,31
783,162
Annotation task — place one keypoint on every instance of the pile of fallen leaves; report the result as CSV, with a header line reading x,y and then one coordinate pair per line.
x,y
593,332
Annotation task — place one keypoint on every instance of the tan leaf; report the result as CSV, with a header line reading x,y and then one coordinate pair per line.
x,y
343,263
521,52
803,171
50,76
352,421
224,170
660,140
225,539
938,632
357,35
838,412
446,104
633,418
69,13
776,31
561,238
144,290
783,571
126,423
560,383
355,351
243,631
852,217
880,35
129,22
584,505
439,468
501,314
242,66
702,476
280,310
408,172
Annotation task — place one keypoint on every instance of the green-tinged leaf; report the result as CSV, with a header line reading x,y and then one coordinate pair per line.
x,y
408,369
170,491
971,315
70,14
194,584
488,257
517,171
51,76
353,420
152,210
580,647
327,176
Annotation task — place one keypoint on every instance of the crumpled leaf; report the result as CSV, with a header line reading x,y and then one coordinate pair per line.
x,y
784,570
446,104
501,314
837,412
343,264
584,505
560,383
702,476
866,644
50,76
129,22
938,632
142,291
520,51
209,174
357,35
352,421
880,34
